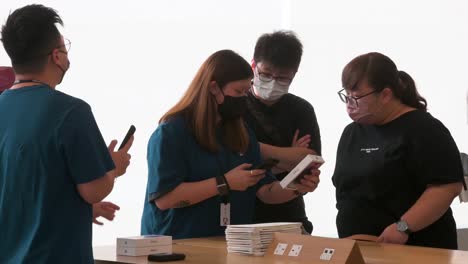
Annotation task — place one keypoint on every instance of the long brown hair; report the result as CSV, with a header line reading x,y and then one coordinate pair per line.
x,y
199,106
380,72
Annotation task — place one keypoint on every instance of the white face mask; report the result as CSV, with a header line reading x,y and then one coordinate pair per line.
x,y
269,91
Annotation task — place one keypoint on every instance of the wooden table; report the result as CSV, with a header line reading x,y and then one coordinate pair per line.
x,y
213,250
200,250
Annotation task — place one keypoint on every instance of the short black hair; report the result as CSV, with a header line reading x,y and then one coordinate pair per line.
x,y
281,49
29,35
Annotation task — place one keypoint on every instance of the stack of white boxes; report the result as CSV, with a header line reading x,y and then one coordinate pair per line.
x,y
254,239
144,245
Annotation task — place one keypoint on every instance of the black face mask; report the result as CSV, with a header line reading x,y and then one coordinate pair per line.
x,y
63,71
232,107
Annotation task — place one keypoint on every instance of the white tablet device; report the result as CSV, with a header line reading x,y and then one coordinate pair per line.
x,y
288,181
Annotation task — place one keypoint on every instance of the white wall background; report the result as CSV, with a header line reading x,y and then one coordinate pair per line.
x,y
132,60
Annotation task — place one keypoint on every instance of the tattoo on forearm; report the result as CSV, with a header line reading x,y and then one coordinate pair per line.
x,y
182,204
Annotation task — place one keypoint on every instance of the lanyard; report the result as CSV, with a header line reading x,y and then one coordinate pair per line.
x,y
30,81
225,199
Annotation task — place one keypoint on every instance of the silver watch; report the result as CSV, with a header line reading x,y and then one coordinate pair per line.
x,y
402,226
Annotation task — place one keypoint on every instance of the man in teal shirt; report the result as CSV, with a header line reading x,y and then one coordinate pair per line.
x,y
54,163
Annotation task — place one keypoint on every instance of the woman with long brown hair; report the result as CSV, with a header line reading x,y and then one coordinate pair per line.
x,y
202,155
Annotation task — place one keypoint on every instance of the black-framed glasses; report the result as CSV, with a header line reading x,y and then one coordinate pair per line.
x,y
266,77
352,100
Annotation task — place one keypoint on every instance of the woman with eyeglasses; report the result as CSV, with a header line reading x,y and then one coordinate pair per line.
x,y
398,168
202,158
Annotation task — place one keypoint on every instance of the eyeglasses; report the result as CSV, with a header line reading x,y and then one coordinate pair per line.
x,y
266,77
67,45
352,100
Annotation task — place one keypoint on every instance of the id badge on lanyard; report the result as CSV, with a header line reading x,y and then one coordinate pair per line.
x,y
225,205
225,214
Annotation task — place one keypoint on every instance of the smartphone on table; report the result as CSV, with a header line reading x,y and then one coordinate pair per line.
x,y
166,257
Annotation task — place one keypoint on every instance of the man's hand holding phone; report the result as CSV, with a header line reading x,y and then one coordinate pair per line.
x,y
121,157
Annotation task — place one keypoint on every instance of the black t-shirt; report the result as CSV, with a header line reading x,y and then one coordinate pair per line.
x,y
276,125
381,171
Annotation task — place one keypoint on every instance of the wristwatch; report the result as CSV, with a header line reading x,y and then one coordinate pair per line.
x,y
402,226
222,185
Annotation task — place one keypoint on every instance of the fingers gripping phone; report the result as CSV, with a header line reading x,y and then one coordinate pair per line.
x,y
267,164
127,137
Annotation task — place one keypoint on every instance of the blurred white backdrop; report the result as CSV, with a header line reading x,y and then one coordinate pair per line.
x,y
132,60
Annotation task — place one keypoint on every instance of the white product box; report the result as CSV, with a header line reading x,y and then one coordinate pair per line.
x,y
141,251
288,181
144,241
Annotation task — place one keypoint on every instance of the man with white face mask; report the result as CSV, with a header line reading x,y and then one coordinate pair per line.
x,y
267,88
281,119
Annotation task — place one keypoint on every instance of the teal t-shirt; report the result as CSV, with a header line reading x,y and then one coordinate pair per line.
x,y
49,143
174,156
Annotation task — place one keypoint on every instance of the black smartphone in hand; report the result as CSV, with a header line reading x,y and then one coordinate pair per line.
x,y
267,164
166,257
127,137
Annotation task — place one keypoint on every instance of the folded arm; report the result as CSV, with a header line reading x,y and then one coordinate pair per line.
x,y
289,157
